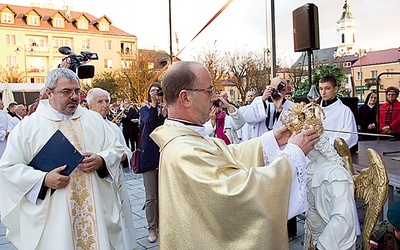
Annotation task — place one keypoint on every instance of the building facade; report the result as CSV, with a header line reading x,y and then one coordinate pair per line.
x,y
31,36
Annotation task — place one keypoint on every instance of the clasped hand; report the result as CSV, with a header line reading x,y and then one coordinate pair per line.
x,y
90,163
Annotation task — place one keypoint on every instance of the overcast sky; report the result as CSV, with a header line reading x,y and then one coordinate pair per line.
x,y
241,25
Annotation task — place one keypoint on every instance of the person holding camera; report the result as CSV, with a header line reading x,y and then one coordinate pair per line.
x,y
222,125
151,116
264,112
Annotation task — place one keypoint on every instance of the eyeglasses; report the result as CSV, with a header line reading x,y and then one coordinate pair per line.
x,y
209,91
389,94
68,92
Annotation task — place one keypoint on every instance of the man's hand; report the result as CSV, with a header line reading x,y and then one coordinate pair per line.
x,y
267,93
305,140
278,102
282,135
213,115
123,157
90,163
55,180
226,105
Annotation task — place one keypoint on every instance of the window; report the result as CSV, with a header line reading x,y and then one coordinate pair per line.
x,y
374,74
10,39
83,24
389,71
85,43
58,22
35,42
107,45
33,20
359,75
7,18
11,61
347,64
128,48
108,63
36,64
38,80
59,41
103,26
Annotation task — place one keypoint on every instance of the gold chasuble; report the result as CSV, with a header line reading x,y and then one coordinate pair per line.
x,y
214,196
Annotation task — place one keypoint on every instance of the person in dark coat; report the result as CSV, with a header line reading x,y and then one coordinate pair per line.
x,y
130,124
367,117
152,115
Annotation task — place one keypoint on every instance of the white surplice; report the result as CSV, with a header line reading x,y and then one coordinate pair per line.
x,y
339,117
86,213
3,131
259,113
121,185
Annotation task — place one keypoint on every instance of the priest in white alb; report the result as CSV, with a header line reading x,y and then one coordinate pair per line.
x,y
51,211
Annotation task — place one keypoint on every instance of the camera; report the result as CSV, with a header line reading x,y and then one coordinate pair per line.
x,y
275,92
216,103
160,92
77,61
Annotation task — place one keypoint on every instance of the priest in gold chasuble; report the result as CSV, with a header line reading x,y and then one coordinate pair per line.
x,y
214,196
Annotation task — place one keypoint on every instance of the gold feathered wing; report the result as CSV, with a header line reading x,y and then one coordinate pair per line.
x,y
371,185
343,150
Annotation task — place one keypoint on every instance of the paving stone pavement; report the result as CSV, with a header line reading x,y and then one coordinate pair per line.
x,y
137,198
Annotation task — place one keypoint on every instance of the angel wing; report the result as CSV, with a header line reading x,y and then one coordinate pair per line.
x,y
343,150
371,185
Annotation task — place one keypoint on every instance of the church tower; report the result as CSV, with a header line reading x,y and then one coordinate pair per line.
x,y
347,32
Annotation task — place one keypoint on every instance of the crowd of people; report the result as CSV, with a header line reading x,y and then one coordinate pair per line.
x,y
216,175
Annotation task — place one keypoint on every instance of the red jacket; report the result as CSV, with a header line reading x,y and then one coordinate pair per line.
x,y
395,122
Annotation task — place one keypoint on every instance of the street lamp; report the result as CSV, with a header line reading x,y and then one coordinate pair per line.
x,y
360,54
267,54
17,51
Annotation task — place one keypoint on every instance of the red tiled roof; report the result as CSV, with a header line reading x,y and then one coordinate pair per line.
x,y
379,57
70,25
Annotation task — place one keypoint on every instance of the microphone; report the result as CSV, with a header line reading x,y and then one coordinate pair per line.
x,y
65,50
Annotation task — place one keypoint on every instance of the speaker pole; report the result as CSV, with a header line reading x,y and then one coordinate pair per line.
x,y
309,54
170,31
273,38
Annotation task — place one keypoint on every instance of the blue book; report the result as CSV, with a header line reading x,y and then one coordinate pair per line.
x,y
57,151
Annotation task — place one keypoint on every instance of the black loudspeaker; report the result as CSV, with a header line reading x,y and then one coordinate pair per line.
x,y
306,28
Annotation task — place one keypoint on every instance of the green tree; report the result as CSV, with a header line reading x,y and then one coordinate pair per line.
x,y
321,71
107,80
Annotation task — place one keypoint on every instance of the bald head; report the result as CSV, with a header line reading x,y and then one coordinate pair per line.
x,y
276,81
179,76
188,92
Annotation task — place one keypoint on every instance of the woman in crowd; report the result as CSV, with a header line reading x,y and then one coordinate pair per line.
x,y
389,113
152,115
338,115
222,125
367,117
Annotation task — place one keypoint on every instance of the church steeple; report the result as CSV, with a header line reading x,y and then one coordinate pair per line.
x,y
346,12
347,32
